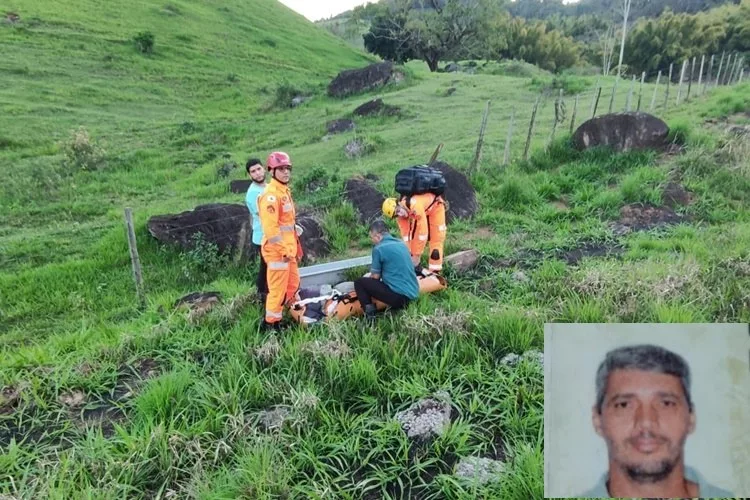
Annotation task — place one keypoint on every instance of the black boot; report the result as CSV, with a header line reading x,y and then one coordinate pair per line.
x,y
370,311
267,327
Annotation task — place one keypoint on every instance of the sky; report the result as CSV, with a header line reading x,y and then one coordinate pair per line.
x,y
319,9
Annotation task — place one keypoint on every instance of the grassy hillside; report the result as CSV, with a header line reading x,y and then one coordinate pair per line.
x,y
101,399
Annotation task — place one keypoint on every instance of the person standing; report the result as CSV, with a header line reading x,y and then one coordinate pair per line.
x,y
421,220
280,245
257,174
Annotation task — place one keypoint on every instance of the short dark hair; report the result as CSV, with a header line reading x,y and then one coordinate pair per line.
x,y
251,162
378,227
644,357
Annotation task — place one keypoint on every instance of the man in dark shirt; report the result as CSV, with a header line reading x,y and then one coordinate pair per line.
x,y
392,279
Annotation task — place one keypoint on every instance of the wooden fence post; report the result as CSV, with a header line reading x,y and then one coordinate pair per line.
x,y
480,141
700,73
656,87
531,128
729,68
718,73
742,75
708,75
630,94
573,118
558,113
614,90
682,76
135,261
506,156
669,81
595,97
596,102
640,91
690,81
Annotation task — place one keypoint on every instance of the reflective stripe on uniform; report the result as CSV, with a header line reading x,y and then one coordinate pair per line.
x,y
278,265
271,314
406,238
422,237
434,267
442,227
275,239
286,228
287,207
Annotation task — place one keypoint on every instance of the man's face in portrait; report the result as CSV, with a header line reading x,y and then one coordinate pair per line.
x,y
645,419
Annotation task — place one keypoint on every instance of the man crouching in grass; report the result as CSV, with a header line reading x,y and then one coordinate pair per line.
x,y
392,279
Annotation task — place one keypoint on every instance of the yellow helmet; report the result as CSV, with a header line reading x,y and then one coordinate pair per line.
x,y
389,207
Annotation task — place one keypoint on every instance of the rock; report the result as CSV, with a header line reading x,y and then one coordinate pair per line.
x,y
339,126
355,148
221,223
452,68
367,200
199,300
481,470
520,276
463,261
510,359
274,418
345,287
622,132
12,17
532,355
427,417
449,92
240,185
376,107
676,195
354,81
459,193
740,130
299,100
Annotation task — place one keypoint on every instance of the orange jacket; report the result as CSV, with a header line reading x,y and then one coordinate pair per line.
x,y
420,206
277,216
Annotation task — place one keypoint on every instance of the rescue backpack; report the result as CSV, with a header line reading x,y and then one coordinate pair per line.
x,y
420,179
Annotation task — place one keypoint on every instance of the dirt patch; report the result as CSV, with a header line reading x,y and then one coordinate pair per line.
x,y
644,217
675,195
483,233
73,399
560,205
367,200
10,396
12,17
147,368
573,257
355,148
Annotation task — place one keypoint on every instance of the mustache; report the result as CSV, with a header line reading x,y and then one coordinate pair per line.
x,y
648,435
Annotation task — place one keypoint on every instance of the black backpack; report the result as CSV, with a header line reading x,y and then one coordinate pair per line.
x,y
420,179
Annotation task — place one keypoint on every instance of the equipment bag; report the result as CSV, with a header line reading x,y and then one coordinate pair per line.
x,y
420,179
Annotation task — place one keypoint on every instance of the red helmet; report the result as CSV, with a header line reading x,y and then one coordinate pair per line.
x,y
278,159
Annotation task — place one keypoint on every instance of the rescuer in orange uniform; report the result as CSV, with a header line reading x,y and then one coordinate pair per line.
x,y
421,219
280,247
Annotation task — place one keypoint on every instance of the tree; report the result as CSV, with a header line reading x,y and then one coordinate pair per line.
x,y
432,30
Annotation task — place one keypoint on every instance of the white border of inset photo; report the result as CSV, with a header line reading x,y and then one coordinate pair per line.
x,y
718,355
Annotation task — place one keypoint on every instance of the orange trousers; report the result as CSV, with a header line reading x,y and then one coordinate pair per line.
x,y
283,284
413,237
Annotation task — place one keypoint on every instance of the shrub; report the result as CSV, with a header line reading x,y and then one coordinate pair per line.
x,y
144,42
81,153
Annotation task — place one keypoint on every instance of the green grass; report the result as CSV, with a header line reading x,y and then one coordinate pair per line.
x,y
117,401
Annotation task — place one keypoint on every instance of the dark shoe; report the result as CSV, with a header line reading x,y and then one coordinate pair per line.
x,y
370,311
418,270
266,326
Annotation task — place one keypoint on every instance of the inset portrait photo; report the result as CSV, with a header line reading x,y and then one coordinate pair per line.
x,y
634,410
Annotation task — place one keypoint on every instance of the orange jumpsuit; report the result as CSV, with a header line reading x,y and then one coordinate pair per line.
x,y
280,248
425,223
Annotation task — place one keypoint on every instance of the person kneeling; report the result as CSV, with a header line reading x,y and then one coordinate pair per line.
x,y
392,279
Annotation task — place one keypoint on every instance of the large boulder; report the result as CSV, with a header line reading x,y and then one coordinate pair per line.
x,y
240,185
367,200
622,132
221,224
353,81
339,126
459,193
376,107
